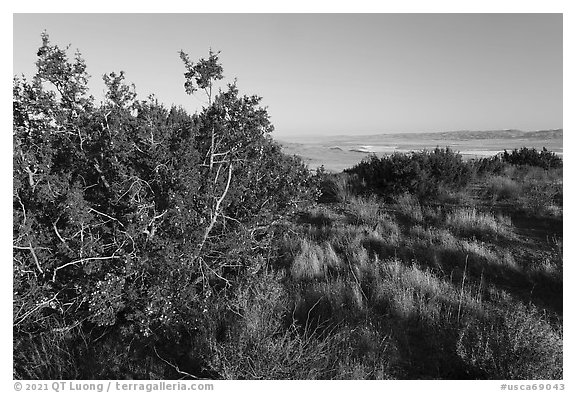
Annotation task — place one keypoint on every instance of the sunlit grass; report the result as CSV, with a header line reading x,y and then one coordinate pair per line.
x,y
409,271
471,221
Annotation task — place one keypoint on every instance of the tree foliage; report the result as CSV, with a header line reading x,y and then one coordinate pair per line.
x,y
131,219
525,156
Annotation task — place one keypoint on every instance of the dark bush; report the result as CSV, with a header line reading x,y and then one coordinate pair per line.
x,y
334,187
422,173
488,165
129,218
525,156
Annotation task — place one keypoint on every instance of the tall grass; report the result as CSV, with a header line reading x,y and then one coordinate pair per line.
x,y
314,261
402,289
502,188
516,343
364,210
435,284
534,191
276,336
48,355
407,291
409,206
336,188
472,222
259,343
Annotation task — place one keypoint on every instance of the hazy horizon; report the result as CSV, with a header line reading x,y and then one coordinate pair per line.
x,y
288,138
333,74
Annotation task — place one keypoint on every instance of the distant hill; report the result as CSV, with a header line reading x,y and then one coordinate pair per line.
x,y
548,134
464,135
338,152
473,135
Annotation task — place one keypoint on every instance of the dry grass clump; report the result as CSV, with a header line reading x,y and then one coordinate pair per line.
x,y
451,256
314,260
389,229
408,291
336,188
368,353
330,302
308,264
472,222
460,197
364,210
53,355
433,236
548,268
276,329
480,251
542,191
319,216
259,345
502,188
515,343
409,206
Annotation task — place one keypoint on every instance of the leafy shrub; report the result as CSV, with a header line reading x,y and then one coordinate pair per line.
x,y
423,173
131,217
334,187
502,188
488,165
524,156
504,346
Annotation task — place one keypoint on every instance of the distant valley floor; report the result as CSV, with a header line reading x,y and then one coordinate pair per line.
x,y
337,153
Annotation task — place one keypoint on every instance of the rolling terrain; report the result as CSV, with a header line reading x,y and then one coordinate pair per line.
x,y
339,152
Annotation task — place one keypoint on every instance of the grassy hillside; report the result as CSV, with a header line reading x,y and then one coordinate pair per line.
x,y
406,289
464,285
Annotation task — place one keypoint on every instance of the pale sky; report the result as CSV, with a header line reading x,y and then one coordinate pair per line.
x,y
339,74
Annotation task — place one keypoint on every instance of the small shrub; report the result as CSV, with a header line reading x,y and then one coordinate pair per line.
x,y
260,346
423,173
542,199
515,344
488,165
52,354
389,229
525,156
334,188
317,216
365,210
502,188
409,206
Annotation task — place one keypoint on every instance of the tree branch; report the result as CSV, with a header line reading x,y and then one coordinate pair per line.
x,y
31,249
38,307
216,211
97,167
80,261
23,209
106,215
175,367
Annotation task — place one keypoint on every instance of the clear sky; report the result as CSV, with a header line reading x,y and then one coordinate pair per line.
x,y
322,74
